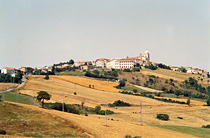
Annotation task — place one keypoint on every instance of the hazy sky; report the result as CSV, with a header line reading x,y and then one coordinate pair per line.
x,y
42,32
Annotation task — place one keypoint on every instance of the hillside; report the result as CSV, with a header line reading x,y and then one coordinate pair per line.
x,y
95,127
56,86
177,76
19,121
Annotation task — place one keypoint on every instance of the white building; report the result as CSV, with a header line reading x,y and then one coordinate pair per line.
x,y
101,62
8,70
113,64
120,64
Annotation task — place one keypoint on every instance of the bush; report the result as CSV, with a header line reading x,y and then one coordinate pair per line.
x,y
135,90
126,70
47,77
67,108
164,117
207,126
208,102
97,109
163,88
108,112
119,103
136,69
180,117
122,83
129,136
3,132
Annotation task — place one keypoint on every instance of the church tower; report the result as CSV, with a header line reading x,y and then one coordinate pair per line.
x,y
147,56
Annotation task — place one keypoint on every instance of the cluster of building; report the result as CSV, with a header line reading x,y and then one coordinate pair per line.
x,y
117,63
190,69
105,64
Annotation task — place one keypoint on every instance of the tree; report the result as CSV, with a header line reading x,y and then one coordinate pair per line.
x,y
135,90
47,76
18,77
96,72
208,90
43,95
208,75
122,83
188,101
137,65
97,108
71,61
114,73
152,67
183,70
208,102
178,92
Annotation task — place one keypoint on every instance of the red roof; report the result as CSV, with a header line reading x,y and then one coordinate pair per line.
x,y
9,68
125,60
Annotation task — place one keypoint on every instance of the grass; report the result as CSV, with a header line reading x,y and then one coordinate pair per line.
x,y
71,73
20,98
196,131
19,121
130,88
4,86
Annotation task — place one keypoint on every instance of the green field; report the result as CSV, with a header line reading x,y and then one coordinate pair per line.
x,y
19,98
131,87
196,131
71,73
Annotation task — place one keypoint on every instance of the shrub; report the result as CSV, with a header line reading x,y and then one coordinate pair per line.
x,y
163,88
158,94
136,69
207,126
67,108
188,101
126,70
177,93
164,117
119,103
97,109
180,117
108,112
3,132
145,84
208,102
135,90
122,83
129,136
47,77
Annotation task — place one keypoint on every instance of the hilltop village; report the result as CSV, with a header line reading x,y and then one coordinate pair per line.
x,y
134,95
142,61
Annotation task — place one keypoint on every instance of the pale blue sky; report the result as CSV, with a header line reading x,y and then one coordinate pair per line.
x,y
42,32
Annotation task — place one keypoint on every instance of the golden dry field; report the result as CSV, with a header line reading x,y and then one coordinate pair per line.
x,y
4,86
95,127
84,81
19,121
192,102
193,116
